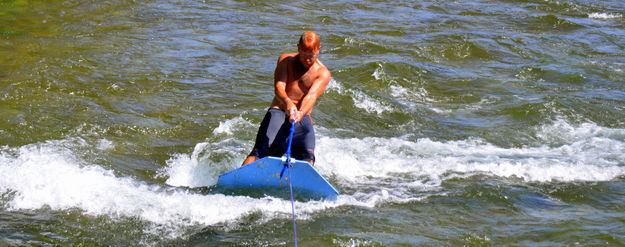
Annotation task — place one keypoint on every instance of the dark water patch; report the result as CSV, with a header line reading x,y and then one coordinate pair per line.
x,y
552,221
278,232
72,227
14,231
360,76
465,50
380,115
551,74
556,6
455,93
356,46
610,71
601,94
552,23
530,113
379,76
496,194
510,50
610,194
490,9
481,232
575,8
392,33
593,45
9,16
537,202
601,111
599,106
455,47
381,230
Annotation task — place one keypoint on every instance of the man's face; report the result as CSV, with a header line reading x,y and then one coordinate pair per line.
x,y
307,57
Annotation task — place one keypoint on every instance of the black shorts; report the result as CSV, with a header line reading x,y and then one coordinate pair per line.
x,y
273,136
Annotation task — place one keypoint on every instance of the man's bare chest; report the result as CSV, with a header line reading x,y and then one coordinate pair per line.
x,y
306,80
302,79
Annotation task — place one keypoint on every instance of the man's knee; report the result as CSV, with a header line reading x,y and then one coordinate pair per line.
x,y
250,159
308,155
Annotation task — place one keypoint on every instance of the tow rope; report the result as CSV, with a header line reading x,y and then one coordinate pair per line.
x,y
287,165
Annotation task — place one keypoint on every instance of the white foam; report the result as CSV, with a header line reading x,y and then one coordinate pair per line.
x,y
49,175
104,144
404,170
189,170
402,95
368,171
410,97
209,159
360,99
378,73
229,126
398,91
352,242
206,162
369,104
604,16
585,152
441,111
582,153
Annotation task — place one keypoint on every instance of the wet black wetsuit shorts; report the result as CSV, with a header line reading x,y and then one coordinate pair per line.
x,y
273,136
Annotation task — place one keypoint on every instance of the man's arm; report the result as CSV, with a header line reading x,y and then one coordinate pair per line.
x,y
280,77
317,88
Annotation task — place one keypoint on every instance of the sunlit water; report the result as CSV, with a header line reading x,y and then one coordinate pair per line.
x,y
480,123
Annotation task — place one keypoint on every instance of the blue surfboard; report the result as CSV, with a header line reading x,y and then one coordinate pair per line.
x,y
263,177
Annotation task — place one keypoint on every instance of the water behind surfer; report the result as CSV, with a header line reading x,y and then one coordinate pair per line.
x,y
299,79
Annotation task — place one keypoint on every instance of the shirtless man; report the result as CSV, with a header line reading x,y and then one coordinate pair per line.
x,y
299,79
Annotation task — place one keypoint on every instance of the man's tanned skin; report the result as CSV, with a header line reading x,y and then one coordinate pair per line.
x,y
299,79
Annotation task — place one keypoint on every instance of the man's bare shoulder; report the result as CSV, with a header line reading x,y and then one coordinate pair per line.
x,y
286,56
323,71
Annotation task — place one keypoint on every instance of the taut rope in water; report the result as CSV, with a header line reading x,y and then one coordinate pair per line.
x,y
288,165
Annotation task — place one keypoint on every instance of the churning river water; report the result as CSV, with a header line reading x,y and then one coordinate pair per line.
x,y
446,123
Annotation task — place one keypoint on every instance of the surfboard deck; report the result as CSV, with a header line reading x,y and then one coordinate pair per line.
x,y
262,177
